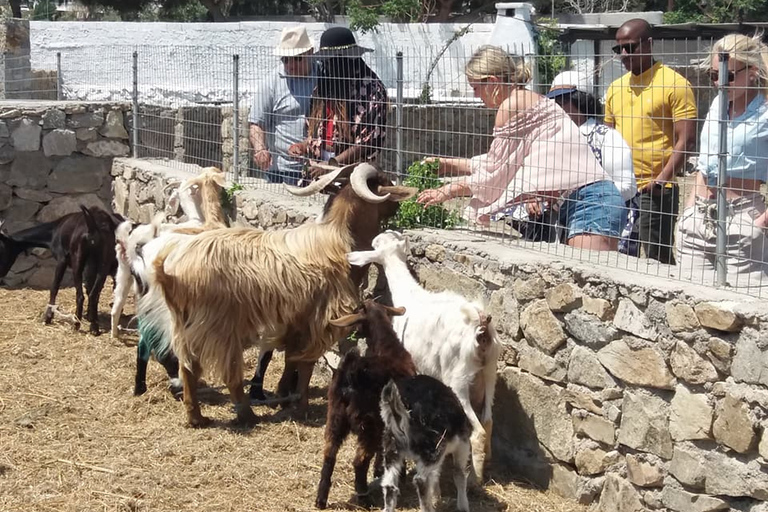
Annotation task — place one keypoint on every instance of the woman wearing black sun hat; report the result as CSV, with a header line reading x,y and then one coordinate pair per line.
x,y
348,113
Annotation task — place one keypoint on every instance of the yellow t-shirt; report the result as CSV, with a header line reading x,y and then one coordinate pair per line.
x,y
644,108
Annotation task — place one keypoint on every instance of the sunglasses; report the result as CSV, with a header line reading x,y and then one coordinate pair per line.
x,y
714,74
626,47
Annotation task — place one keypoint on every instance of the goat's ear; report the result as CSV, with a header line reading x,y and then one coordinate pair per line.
x,y
219,179
398,192
362,258
393,311
347,320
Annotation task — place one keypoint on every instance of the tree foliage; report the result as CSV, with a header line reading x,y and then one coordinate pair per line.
x,y
717,11
551,59
365,15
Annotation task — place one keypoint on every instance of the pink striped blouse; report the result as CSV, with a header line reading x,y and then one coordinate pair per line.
x,y
539,151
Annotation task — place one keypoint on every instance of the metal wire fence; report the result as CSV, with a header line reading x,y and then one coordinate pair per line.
x,y
688,168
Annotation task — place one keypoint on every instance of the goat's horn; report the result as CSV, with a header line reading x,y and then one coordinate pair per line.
x,y
317,185
359,182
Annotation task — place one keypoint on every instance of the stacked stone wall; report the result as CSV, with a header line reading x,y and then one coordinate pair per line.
x,y
625,391
54,156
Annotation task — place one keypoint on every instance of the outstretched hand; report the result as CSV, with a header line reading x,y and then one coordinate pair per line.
x,y
433,196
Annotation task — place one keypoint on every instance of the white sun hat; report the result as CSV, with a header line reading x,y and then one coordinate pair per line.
x,y
293,41
568,82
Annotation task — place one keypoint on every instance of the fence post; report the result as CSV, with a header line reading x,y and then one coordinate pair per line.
x,y
720,263
399,119
58,76
235,118
135,104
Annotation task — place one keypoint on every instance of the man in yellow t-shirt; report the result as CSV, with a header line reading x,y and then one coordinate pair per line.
x,y
654,109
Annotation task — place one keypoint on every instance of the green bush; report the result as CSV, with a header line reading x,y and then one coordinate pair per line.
x,y
411,214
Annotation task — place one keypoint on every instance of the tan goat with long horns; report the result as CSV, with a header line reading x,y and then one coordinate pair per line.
x,y
224,287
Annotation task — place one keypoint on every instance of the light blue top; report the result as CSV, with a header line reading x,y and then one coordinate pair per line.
x,y
747,138
281,108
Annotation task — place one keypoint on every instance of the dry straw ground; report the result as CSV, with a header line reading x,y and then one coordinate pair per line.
x,y
72,436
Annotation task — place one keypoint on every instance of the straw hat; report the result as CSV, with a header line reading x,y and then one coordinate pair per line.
x,y
293,41
568,82
340,42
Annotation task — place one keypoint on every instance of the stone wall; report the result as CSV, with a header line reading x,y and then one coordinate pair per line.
x,y
54,156
632,394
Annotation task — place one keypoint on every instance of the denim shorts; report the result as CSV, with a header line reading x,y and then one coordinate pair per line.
x,y
596,208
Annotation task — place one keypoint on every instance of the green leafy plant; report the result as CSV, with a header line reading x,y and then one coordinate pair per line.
x,y
228,196
362,18
410,214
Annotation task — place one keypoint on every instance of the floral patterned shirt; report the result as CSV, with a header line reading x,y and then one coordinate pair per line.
x,y
367,113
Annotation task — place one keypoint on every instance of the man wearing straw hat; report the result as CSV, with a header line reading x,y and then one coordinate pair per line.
x,y
280,108
348,115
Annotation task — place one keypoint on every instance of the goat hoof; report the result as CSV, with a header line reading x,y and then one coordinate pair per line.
x,y
321,503
246,418
139,390
257,394
76,326
94,330
363,500
200,422
176,391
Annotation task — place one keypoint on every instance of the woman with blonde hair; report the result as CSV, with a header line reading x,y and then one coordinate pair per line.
x,y
537,152
746,169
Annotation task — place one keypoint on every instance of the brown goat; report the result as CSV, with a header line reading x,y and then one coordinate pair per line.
x,y
353,396
224,287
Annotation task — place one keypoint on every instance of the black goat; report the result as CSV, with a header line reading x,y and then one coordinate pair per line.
x,y
424,421
84,241
11,246
353,396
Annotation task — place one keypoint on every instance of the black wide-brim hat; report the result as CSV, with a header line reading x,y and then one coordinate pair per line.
x,y
339,42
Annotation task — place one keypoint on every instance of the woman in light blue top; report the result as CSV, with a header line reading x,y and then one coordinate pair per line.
x,y
746,171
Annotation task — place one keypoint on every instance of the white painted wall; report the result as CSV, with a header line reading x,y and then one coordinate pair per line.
x,y
192,62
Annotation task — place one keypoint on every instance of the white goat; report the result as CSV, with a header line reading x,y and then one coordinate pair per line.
x,y
187,196
449,338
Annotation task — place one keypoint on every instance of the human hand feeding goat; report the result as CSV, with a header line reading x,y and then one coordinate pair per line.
x,y
380,398
449,337
226,286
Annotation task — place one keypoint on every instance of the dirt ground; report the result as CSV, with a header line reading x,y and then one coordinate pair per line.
x,y
72,436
